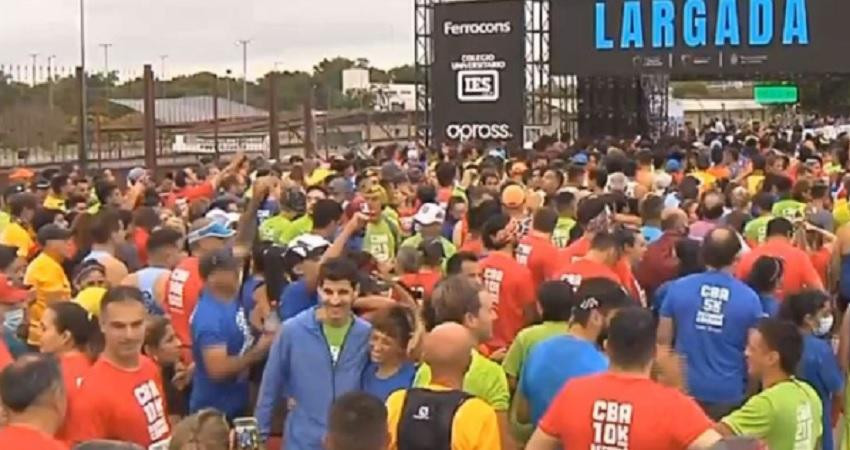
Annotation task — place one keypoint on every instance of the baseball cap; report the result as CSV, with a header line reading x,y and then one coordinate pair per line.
x,y
13,189
11,294
392,173
42,183
52,232
600,293
209,228
340,186
662,180
308,245
579,159
513,196
673,165
136,174
429,214
225,218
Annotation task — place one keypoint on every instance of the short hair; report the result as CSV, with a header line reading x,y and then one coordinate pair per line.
x,y
103,189
782,183
564,200
325,212
763,201
338,269
604,241
118,294
206,429
453,298
631,338
445,172
556,300
783,337
218,260
28,378
797,306
409,259
719,251
779,226
544,220
21,201
491,228
58,182
396,322
104,223
357,421
146,217
598,294
163,237
454,265
651,208
558,174
819,191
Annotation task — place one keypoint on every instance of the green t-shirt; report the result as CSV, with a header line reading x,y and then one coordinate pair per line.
x,y
379,240
301,225
787,416
449,249
561,234
485,379
273,228
756,229
789,209
335,337
525,340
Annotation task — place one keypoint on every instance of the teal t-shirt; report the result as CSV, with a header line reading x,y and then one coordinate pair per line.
x,y
273,228
787,416
561,234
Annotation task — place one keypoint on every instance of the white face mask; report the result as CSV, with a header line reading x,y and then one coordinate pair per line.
x,y
13,319
824,325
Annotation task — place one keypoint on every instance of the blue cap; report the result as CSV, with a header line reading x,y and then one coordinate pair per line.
x,y
673,165
579,159
214,229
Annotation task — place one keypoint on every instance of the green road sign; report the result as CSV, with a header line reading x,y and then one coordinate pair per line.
x,y
772,95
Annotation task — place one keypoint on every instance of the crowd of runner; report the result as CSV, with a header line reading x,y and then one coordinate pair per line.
x,y
682,293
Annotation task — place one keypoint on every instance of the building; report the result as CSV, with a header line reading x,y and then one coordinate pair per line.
x,y
386,96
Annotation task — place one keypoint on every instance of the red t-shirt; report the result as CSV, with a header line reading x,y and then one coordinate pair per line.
x,y
5,356
576,250
539,254
21,437
473,245
821,260
184,288
511,283
75,366
202,190
118,404
140,240
582,269
623,269
421,283
615,411
798,273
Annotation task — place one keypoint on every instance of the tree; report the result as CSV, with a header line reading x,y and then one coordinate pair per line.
x,y
25,126
404,74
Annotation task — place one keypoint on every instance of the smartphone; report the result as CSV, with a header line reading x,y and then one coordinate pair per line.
x,y
364,208
247,433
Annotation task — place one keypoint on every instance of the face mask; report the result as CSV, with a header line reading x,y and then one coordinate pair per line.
x,y
13,320
824,325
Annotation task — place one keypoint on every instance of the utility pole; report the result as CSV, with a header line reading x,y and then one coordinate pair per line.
x,y
83,150
34,57
244,43
50,60
277,63
105,60
162,59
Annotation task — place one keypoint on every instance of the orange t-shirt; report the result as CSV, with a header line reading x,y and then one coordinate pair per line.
x,y
511,283
799,271
118,404
539,254
20,437
421,283
610,410
821,260
5,356
184,288
190,193
74,365
582,269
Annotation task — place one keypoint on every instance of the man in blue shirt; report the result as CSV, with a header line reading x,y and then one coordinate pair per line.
x,y
710,314
222,339
554,361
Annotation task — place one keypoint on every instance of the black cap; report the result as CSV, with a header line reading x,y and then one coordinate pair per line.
x,y
294,200
52,232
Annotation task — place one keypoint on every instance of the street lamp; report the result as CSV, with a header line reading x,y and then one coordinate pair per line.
x,y
83,150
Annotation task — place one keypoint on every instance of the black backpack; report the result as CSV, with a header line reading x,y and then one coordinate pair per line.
x,y
426,419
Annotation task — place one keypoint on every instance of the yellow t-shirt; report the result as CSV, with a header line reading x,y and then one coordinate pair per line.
x,y
48,279
54,203
89,298
15,235
474,426
485,379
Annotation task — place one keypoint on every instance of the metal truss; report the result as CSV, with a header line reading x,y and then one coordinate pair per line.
x,y
424,58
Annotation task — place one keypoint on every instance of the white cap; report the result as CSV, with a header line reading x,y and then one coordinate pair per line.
x,y
307,243
226,218
429,214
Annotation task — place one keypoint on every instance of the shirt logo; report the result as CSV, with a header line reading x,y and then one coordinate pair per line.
x,y
710,315
611,425
493,281
149,399
424,413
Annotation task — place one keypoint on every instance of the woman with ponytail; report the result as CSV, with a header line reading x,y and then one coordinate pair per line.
x,y
810,310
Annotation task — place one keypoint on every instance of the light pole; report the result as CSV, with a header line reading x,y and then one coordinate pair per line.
x,y
162,59
277,63
83,150
50,60
34,57
244,43
105,48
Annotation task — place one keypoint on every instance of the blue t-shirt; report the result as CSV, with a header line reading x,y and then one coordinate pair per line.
x,y
295,299
219,324
383,387
650,233
819,368
246,293
713,313
769,305
553,362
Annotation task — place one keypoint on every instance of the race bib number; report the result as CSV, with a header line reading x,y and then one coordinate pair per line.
x,y
379,247
711,313
175,288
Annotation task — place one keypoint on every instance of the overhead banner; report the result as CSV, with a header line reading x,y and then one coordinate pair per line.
x,y
478,72
699,37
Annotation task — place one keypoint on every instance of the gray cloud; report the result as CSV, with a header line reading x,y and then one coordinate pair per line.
x,y
202,34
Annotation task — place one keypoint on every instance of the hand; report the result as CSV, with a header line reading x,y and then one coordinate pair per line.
x,y
262,187
182,375
264,343
357,221
499,354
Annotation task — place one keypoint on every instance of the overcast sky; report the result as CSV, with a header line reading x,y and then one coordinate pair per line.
x,y
202,34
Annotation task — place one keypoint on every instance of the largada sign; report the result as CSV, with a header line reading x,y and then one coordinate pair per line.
x,y
478,72
701,37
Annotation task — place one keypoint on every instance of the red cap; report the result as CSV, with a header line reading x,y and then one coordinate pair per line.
x,y
10,294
